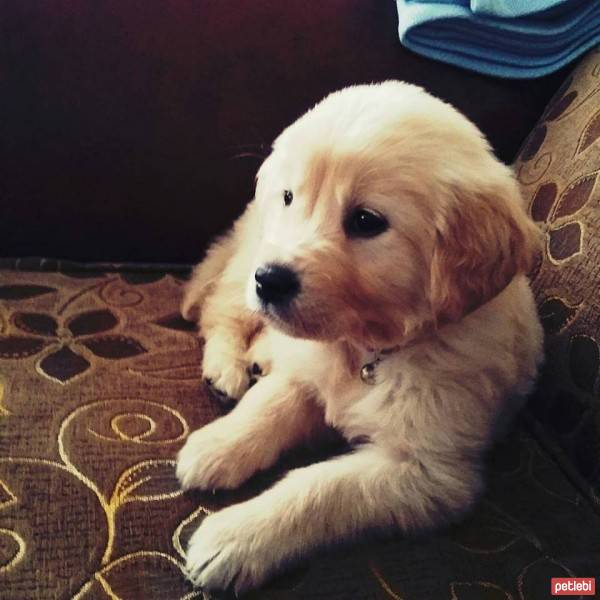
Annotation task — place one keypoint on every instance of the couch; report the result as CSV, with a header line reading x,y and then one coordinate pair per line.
x,y
134,132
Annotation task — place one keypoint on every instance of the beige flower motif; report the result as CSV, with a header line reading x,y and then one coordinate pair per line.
x,y
65,360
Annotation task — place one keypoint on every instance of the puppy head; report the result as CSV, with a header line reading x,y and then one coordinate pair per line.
x,y
382,214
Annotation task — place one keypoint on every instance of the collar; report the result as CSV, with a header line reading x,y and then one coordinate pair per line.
x,y
368,372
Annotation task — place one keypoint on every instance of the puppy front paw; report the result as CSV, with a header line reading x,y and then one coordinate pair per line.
x,y
212,459
225,369
230,551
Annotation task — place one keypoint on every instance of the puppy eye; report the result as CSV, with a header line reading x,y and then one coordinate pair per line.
x,y
287,197
365,223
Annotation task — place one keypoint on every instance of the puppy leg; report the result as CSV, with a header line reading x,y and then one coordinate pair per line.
x,y
273,416
227,327
371,488
222,322
216,292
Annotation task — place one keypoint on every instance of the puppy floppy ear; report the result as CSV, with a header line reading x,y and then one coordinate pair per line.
x,y
483,241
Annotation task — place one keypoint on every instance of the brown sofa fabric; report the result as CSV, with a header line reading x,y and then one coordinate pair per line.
x,y
559,170
100,384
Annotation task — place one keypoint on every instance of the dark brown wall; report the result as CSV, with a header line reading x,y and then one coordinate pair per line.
x,y
132,129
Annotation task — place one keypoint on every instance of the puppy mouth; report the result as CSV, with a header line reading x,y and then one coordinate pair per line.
x,y
285,316
282,316
292,320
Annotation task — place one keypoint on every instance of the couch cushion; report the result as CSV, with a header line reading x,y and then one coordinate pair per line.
x,y
99,386
559,170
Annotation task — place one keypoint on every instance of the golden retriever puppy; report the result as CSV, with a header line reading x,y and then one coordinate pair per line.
x,y
378,279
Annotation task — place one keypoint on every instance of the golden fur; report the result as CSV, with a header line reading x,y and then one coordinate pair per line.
x,y
444,284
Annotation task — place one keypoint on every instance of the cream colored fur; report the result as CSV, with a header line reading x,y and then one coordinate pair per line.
x,y
445,283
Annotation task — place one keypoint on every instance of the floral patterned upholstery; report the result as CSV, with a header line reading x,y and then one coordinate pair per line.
x,y
559,169
100,384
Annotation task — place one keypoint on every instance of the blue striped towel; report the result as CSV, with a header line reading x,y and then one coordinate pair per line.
x,y
506,38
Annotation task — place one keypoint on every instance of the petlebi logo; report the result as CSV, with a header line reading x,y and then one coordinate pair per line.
x,y
573,586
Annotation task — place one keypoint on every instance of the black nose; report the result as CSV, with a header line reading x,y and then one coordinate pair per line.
x,y
276,283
